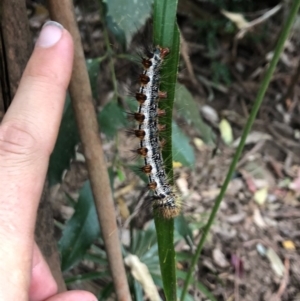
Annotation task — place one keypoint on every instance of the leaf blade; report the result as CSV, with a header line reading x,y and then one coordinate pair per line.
x,y
80,231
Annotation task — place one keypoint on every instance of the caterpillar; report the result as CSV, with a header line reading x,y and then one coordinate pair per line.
x,y
165,200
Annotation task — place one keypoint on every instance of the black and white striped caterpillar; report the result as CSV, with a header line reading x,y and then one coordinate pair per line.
x,y
165,201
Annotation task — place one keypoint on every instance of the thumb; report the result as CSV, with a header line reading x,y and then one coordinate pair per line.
x,y
73,296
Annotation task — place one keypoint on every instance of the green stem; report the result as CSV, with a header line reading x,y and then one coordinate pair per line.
x,y
110,53
260,96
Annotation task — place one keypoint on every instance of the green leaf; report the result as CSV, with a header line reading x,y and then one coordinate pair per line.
x,y
166,255
205,291
138,291
101,260
188,297
169,75
129,15
106,292
166,34
144,245
182,256
93,70
182,149
200,285
64,149
182,227
86,277
111,119
80,231
118,33
188,109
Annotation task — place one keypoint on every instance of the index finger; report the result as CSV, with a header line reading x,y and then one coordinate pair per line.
x,y
27,136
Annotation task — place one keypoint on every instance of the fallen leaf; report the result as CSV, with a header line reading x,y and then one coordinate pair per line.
x,y
212,193
258,219
177,164
210,114
236,18
288,245
276,262
260,195
219,258
124,211
253,137
199,143
236,218
235,186
261,250
226,131
249,181
261,176
182,184
237,264
141,273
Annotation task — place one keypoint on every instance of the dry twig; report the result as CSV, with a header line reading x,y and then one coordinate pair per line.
x,y
284,281
81,95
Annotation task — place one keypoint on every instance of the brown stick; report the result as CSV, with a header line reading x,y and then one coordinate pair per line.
x,y
81,95
15,52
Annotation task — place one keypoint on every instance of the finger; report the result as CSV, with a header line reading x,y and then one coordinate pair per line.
x,y
73,296
42,284
27,136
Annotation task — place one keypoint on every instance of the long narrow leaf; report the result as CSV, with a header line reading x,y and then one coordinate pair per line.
x,y
166,34
80,231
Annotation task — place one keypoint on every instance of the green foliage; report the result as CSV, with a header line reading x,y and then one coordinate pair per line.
x,y
93,70
127,17
187,108
106,292
221,73
181,148
80,231
182,227
209,31
166,34
111,119
138,291
182,275
85,277
144,245
64,149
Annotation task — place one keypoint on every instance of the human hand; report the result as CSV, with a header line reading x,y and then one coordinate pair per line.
x,y
27,136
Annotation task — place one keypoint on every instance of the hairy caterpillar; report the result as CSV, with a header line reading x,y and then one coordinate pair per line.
x,y
165,201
